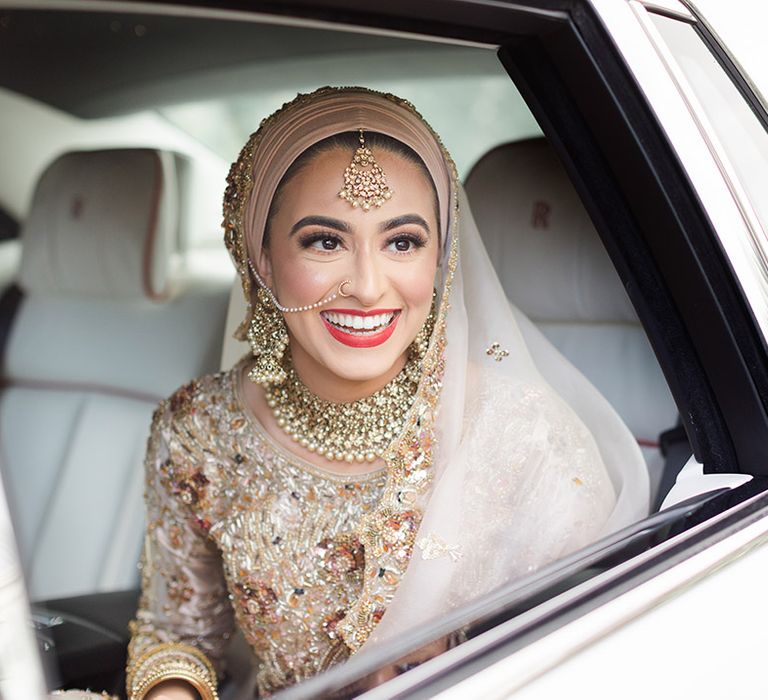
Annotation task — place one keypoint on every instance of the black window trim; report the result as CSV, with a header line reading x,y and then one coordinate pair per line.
x,y
669,257
728,63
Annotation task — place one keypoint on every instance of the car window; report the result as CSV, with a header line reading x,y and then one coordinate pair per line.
x,y
462,91
734,123
740,25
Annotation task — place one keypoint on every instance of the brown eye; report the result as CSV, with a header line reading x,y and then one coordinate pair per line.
x,y
324,242
406,243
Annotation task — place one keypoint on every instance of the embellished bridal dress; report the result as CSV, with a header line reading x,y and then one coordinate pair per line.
x,y
240,529
507,459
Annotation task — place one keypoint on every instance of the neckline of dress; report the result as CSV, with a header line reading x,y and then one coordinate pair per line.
x,y
236,378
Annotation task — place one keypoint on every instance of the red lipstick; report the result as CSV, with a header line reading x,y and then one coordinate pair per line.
x,y
358,312
362,341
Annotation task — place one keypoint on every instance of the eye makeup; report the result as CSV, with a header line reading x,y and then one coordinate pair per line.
x,y
414,241
308,240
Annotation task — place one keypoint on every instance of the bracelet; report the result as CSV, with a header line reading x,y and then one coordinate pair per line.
x,y
171,661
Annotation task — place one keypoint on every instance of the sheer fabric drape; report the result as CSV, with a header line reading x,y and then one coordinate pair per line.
x,y
532,461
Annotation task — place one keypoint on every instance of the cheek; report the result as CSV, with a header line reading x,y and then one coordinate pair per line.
x,y
416,289
300,282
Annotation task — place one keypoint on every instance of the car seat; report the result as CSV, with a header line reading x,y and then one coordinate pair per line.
x,y
104,330
554,268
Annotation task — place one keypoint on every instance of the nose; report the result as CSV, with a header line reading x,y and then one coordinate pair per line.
x,y
368,279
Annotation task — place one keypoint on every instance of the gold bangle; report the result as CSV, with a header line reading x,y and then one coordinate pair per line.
x,y
171,661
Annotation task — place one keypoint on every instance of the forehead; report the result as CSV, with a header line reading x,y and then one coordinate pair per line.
x,y
317,185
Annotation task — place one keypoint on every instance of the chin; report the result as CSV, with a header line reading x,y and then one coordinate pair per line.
x,y
357,366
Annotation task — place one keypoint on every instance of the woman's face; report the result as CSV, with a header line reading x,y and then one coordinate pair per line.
x,y
389,254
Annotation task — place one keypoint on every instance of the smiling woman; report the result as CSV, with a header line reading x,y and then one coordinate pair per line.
x,y
390,450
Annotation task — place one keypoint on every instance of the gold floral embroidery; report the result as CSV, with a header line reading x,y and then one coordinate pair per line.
x,y
285,532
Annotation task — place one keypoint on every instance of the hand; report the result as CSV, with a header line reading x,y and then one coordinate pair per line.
x,y
172,690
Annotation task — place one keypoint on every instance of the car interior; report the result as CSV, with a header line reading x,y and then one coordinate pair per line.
x,y
117,289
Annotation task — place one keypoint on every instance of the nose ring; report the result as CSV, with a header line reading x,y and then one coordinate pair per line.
x,y
341,288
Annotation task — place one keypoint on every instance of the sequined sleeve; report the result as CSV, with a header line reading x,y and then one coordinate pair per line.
x,y
184,617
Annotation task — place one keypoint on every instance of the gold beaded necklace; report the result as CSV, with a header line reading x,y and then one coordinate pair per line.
x,y
358,431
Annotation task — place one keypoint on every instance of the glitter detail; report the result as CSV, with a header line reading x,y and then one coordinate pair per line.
x,y
433,547
497,352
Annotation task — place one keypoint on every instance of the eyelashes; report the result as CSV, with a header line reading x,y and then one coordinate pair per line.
x,y
415,240
328,242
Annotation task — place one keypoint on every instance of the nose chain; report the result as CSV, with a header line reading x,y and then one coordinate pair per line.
x,y
295,309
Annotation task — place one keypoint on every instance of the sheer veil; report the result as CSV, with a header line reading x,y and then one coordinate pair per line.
x,y
532,463
509,458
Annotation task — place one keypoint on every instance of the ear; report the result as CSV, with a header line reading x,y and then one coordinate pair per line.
x,y
264,266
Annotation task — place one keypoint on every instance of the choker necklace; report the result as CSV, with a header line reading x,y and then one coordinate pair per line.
x,y
359,431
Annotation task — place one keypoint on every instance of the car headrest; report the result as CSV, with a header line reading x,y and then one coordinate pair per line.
x,y
102,224
542,242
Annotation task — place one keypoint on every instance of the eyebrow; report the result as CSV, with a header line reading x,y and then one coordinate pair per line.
x,y
405,219
326,221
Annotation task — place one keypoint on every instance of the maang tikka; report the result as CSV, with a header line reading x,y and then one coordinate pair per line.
x,y
365,184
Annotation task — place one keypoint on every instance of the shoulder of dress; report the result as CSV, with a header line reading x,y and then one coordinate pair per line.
x,y
188,420
189,451
197,394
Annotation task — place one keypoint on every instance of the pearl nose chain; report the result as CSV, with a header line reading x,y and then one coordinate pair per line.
x,y
295,309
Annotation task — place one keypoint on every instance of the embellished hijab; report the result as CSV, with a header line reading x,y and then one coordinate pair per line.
x,y
504,462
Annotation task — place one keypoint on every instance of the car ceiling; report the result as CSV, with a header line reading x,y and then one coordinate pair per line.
x,y
98,64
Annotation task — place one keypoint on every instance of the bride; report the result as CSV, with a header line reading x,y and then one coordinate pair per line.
x,y
390,449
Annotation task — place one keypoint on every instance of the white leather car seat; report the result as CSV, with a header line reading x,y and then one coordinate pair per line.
x,y
104,331
555,269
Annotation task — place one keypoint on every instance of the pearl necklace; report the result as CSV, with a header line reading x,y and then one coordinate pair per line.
x,y
358,431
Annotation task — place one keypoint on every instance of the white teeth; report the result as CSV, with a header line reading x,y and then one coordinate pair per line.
x,y
349,322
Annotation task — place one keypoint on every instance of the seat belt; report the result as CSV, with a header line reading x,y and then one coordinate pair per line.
x,y
9,305
676,449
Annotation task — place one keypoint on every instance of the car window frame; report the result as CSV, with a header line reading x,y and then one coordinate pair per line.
x,y
536,54
697,241
752,220
712,264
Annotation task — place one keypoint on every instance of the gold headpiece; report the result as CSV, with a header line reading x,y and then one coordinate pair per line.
x,y
365,183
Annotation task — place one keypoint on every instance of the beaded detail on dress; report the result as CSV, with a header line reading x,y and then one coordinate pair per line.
x,y
237,525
